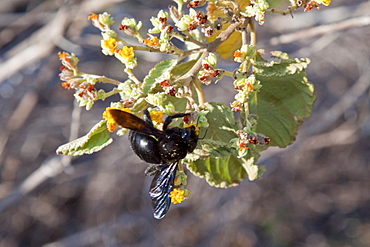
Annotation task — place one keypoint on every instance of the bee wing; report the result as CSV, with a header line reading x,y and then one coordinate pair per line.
x,y
161,188
132,122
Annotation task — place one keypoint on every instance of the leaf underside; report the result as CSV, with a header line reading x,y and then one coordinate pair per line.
x,y
285,99
97,138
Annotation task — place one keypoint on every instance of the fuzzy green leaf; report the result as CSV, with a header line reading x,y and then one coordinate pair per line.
x,y
219,172
161,68
182,68
94,141
285,99
222,128
222,168
227,171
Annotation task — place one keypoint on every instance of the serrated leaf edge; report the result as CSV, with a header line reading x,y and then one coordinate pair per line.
x,y
70,148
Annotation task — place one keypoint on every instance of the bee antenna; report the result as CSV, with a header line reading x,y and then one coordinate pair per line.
x,y
201,138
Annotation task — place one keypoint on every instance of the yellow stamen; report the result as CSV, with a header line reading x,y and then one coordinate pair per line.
x,y
156,116
177,196
110,44
127,52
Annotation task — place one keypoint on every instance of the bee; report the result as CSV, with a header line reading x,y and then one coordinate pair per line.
x,y
162,149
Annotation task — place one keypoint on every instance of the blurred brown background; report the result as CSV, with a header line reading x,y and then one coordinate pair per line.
x,y
316,192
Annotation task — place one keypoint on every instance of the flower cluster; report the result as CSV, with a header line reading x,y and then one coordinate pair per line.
x,y
207,73
196,3
103,22
127,56
111,44
245,86
179,195
168,87
194,20
245,53
131,27
256,9
111,124
72,78
156,117
308,5
161,26
248,138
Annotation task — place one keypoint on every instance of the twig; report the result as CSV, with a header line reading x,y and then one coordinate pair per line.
x,y
42,44
48,169
345,102
23,110
320,30
223,36
253,35
26,20
95,234
343,135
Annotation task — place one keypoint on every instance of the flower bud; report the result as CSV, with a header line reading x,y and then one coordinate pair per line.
x,y
174,13
102,21
70,61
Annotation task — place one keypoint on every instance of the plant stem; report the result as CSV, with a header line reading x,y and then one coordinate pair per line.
x,y
200,93
244,37
197,66
229,74
103,79
253,35
132,76
223,36
289,10
190,77
112,92
190,38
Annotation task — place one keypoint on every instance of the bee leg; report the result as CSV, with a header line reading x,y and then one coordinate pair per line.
x,y
151,170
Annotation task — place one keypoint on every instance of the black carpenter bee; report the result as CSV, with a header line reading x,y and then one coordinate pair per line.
x,y
163,148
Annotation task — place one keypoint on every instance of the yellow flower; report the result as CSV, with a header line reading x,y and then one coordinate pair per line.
x,y
127,53
249,87
156,116
237,53
315,4
111,124
109,46
153,42
177,196
324,2
66,85
127,56
93,16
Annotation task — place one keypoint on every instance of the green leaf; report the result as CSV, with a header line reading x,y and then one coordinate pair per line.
x,y
94,141
178,103
156,73
281,66
219,172
222,128
222,167
229,170
182,69
285,99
